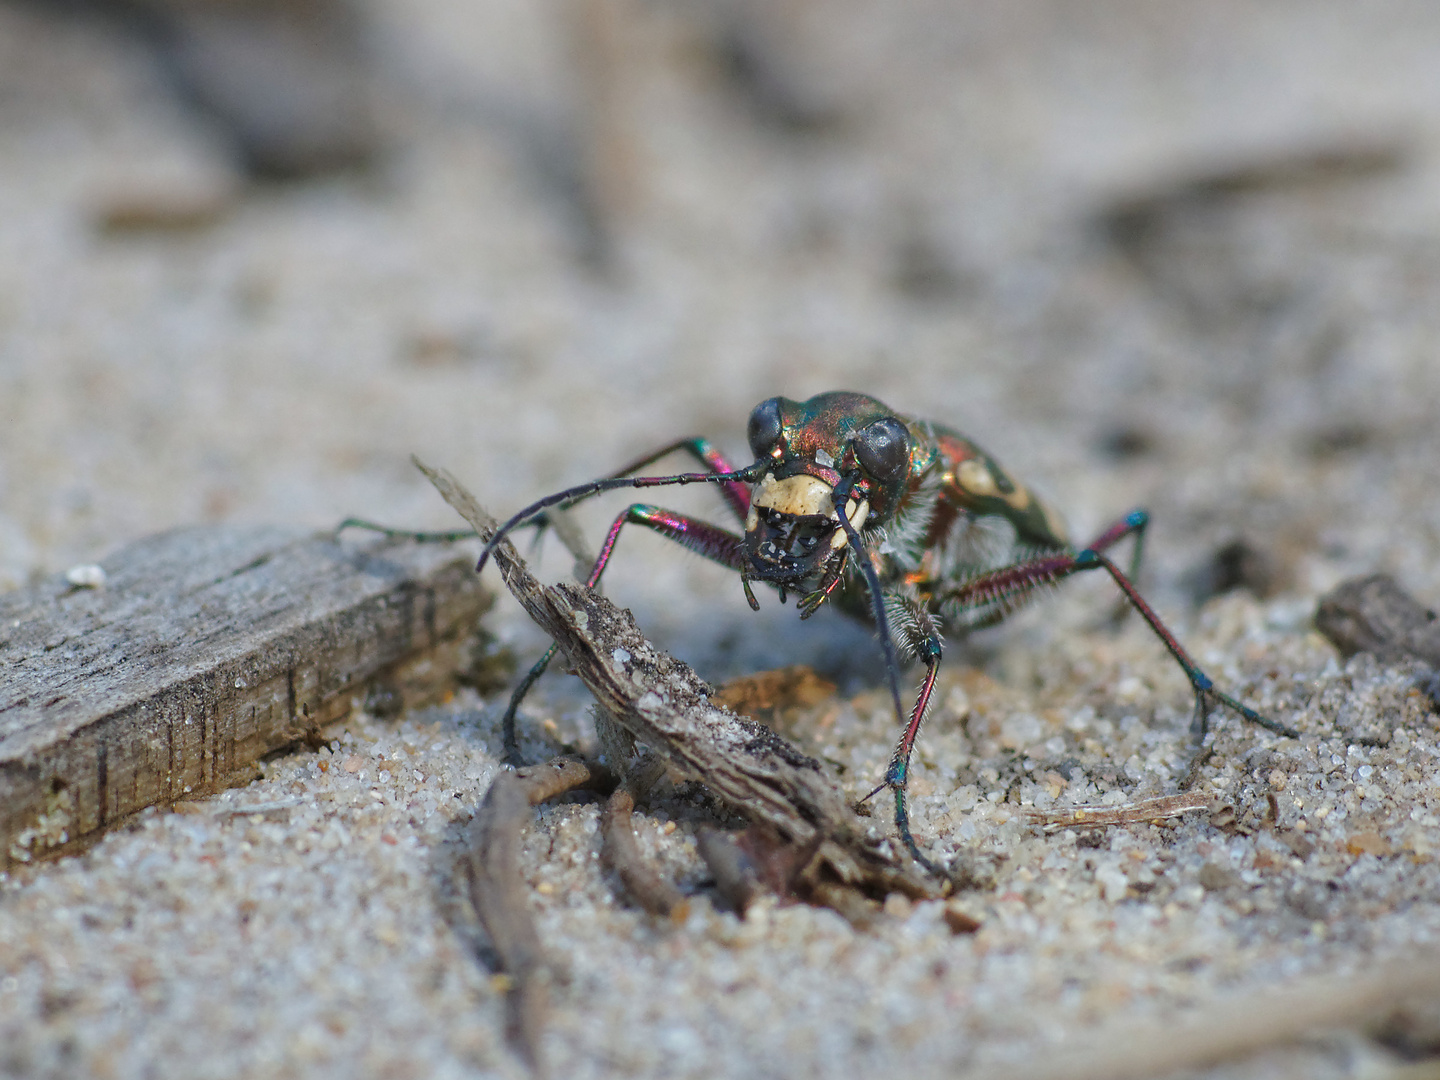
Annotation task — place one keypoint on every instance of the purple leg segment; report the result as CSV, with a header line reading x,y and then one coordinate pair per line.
x,y
704,539
700,537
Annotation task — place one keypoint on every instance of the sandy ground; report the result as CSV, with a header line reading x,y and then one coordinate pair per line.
x,y
1175,255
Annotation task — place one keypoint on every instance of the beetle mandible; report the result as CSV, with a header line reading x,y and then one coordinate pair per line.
x,y
900,520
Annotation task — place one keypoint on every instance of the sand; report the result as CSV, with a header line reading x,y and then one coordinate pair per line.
x,y
1006,217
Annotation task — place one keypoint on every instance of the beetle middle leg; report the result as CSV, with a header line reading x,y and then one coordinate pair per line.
x,y
1132,524
1000,592
919,632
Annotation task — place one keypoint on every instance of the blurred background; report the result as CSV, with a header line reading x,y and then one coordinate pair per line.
x,y
1182,254
255,253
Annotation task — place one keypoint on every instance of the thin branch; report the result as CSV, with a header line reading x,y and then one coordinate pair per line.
x,y
622,855
1373,614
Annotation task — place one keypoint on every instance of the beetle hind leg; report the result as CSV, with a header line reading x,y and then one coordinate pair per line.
x,y
448,536
1205,692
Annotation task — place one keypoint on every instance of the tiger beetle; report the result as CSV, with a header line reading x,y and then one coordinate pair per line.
x,y
900,521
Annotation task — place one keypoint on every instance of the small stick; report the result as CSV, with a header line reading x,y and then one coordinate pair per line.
x,y
558,775
736,877
622,855
498,895
499,900
1231,1028
1166,806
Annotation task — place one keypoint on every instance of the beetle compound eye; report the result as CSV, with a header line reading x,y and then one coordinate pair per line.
x,y
765,430
883,449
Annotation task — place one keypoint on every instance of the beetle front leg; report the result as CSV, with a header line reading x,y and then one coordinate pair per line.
x,y
897,776
714,543
700,537
811,601
736,493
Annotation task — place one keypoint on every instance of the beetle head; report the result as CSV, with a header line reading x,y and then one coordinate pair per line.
x,y
840,440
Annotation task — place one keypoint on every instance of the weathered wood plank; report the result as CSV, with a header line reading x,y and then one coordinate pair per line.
x,y
207,649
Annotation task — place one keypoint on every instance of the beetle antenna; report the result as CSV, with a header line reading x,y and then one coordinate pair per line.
x,y
570,496
840,496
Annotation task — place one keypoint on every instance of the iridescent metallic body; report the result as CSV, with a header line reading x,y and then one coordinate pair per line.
x,y
898,520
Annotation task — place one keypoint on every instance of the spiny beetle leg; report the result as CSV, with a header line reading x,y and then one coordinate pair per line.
x,y
1132,524
711,541
571,496
733,485
897,776
1008,587
705,539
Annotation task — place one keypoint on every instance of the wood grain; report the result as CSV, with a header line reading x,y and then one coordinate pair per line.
x,y
208,648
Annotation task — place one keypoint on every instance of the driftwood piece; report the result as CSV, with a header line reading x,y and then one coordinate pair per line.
x,y
206,649
1373,614
664,704
755,860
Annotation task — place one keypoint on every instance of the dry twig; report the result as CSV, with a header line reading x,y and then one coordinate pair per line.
x,y
622,854
664,704
1166,806
498,897
1374,615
